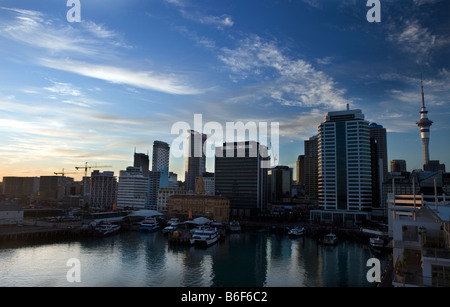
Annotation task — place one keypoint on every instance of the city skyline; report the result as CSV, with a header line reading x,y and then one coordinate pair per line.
x,y
119,79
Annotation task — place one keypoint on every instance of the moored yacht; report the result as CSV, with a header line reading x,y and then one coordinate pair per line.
x,y
296,232
106,230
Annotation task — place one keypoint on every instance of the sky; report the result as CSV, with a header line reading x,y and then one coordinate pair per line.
x,y
122,77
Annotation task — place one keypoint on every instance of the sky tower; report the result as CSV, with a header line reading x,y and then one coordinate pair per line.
x,y
424,123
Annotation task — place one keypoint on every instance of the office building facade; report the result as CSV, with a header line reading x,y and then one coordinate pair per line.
x,y
141,160
161,154
103,191
344,168
132,189
240,177
195,159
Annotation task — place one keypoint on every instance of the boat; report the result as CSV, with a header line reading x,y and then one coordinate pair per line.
x,y
330,239
376,244
296,232
171,228
149,225
204,236
235,227
106,230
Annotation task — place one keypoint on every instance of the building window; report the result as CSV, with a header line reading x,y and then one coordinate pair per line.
x,y
440,275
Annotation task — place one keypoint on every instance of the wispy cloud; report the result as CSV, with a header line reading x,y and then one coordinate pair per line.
x,y
285,80
417,40
169,83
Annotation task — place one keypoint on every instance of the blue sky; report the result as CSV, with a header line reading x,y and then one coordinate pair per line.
x,y
122,77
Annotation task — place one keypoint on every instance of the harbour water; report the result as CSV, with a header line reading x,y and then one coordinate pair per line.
x,y
132,259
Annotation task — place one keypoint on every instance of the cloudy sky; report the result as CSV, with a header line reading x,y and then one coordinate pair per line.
x,y
93,91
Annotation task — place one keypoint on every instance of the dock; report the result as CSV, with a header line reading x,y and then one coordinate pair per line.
x,y
33,233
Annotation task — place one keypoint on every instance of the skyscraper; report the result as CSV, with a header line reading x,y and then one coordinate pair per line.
x,y
141,160
311,167
240,177
424,124
195,159
378,153
344,168
161,153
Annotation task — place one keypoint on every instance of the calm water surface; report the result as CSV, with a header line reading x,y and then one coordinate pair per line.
x,y
136,259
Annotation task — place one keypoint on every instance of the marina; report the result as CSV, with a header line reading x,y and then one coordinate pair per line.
x,y
133,258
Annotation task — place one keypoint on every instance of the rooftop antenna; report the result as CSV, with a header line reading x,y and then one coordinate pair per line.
x,y
421,85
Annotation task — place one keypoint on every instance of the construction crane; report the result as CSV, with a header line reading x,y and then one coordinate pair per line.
x,y
85,167
64,172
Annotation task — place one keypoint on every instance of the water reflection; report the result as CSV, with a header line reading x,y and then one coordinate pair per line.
x,y
135,259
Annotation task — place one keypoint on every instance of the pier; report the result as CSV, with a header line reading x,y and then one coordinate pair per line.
x,y
33,233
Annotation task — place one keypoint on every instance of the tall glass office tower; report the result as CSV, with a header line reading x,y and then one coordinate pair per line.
x,y
344,166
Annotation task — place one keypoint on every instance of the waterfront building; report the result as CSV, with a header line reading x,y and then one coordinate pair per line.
x,y
10,213
103,191
132,188
141,160
161,154
420,228
164,194
241,177
195,159
214,207
20,187
344,169
398,166
53,188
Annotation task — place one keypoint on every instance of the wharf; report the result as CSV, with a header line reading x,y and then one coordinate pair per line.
x,y
21,233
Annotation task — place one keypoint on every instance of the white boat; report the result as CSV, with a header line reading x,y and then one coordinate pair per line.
x,y
296,232
149,225
106,230
235,227
205,236
171,228
376,244
330,239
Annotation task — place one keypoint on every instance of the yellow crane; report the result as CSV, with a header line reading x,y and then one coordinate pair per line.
x,y
86,167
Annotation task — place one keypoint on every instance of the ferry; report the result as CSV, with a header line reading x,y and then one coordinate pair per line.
x,y
296,232
106,230
205,236
149,225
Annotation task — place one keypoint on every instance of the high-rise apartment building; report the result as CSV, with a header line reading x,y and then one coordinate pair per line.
x,y
344,168
241,177
103,190
132,189
195,159
161,154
